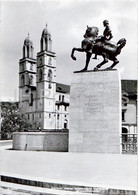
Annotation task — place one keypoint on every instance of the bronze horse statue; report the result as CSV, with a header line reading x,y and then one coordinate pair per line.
x,y
92,44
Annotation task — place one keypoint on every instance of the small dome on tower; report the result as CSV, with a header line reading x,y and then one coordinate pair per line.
x,y
46,32
27,41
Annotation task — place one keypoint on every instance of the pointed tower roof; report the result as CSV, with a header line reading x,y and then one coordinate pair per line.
x,y
27,41
46,32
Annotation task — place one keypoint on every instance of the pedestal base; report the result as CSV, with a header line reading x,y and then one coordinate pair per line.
x,y
95,112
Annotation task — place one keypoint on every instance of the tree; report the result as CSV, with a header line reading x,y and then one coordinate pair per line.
x,y
12,120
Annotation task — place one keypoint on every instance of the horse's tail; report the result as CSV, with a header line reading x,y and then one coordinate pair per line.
x,y
120,44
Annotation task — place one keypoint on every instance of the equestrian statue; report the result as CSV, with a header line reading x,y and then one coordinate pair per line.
x,y
100,45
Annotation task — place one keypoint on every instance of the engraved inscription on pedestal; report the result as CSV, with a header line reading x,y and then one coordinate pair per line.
x,y
95,112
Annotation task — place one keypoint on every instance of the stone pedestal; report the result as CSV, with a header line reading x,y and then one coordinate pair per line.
x,y
95,112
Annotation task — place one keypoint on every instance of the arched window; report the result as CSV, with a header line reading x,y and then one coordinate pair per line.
x,y
62,98
49,74
22,67
22,80
33,117
31,66
59,97
46,44
50,61
27,51
49,78
32,51
124,134
40,61
40,74
41,44
65,124
23,51
31,99
31,80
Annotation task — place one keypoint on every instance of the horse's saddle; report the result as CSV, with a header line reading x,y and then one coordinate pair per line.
x,y
107,45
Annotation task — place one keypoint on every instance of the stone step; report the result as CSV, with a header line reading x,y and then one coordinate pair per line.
x,y
19,189
59,188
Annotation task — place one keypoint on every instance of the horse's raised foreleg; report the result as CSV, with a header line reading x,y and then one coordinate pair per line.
x,y
102,63
116,61
76,49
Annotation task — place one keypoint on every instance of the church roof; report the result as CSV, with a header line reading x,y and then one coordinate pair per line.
x,y
129,86
62,88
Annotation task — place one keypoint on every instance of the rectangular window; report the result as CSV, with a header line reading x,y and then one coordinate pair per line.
x,y
123,116
59,97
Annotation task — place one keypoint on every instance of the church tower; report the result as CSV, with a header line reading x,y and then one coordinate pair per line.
x,y
46,83
27,78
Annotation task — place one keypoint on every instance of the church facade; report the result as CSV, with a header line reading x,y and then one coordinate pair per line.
x,y
44,102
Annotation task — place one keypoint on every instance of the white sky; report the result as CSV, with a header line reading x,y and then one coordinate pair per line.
x,y
67,21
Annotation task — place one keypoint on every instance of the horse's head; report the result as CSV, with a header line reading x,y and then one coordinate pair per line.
x,y
91,32
121,43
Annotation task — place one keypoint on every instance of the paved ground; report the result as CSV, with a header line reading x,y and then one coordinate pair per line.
x,y
97,170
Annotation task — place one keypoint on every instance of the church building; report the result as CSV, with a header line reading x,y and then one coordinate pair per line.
x,y
44,102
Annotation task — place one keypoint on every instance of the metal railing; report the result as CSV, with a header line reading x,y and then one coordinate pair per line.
x,y
129,143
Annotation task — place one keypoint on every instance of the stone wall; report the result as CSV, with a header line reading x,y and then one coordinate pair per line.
x,y
41,141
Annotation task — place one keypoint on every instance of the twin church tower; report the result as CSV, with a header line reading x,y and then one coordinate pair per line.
x,y
43,101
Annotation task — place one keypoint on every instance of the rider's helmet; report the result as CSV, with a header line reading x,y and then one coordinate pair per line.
x,y
105,22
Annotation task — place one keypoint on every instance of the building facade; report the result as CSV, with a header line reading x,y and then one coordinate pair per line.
x,y
43,101
129,116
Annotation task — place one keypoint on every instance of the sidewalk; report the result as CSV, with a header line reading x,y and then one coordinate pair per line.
x,y
94,170
5,144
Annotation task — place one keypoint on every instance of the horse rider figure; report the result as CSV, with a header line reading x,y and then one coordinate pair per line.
x,y
107,34
102,46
